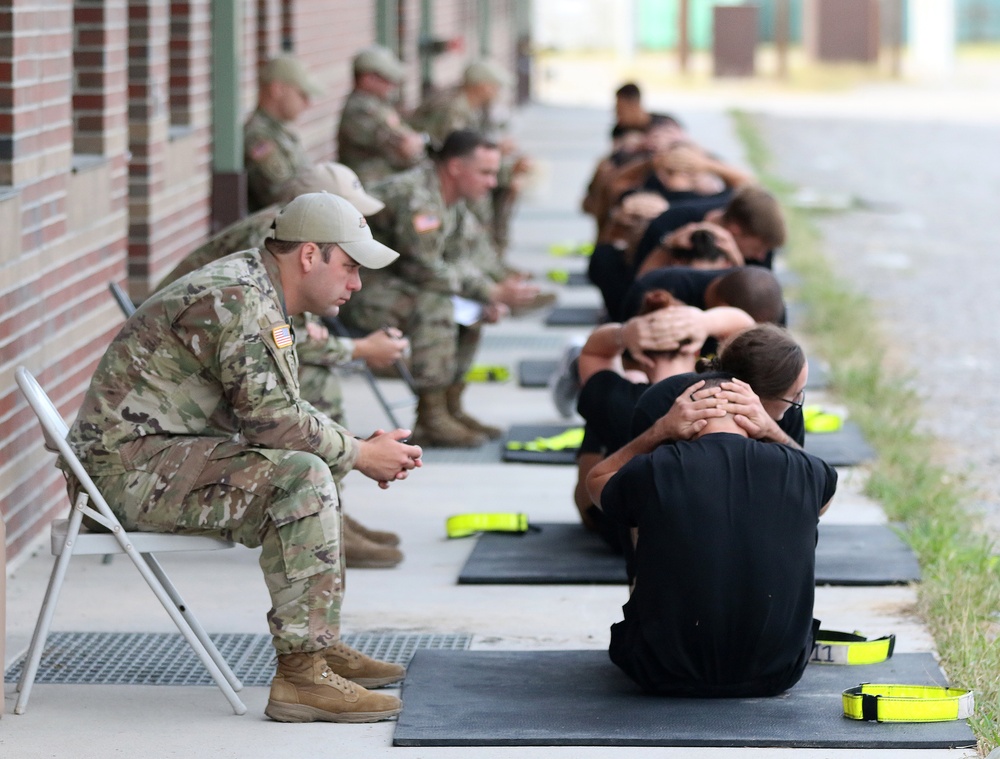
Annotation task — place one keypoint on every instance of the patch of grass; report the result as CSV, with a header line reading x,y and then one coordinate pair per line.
x,y
960,594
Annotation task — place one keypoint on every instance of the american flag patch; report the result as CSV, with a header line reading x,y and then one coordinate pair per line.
x,y
282,336
425,222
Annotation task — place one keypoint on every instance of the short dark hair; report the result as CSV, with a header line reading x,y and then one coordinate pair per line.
x,y
284,247
757,213
628,91
755,290
766,357
460,144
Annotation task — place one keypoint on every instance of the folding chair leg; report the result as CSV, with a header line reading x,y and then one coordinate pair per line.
x,y
182,624
41,633
192,621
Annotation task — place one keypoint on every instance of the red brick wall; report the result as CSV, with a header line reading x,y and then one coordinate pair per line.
x,y
105,167
64,226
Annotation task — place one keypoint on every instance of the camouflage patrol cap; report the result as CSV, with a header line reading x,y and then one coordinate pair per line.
x,y
379,60
323,217
329,176
289,70
486,72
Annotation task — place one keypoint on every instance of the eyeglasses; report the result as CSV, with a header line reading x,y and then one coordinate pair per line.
x,y
799,401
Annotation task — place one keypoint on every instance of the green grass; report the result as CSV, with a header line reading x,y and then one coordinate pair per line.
x,y
959,597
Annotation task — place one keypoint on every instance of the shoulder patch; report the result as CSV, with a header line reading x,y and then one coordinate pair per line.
x,y
282,335
261,149
426,222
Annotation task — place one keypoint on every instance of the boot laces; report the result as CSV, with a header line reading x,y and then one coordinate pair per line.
x,y
342,649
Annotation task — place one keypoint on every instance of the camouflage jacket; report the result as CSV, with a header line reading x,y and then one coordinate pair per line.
x,y
441,249
274,159
370,136
447,110
244,234
206,361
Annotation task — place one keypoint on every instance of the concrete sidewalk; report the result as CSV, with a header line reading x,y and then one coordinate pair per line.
x,y
420,596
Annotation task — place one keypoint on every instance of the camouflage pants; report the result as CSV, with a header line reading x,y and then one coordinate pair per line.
x,y
286,502
427,319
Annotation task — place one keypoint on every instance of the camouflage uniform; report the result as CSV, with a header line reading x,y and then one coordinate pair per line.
x,y
369,137
443,252
193,423
441,114
274,160
317,382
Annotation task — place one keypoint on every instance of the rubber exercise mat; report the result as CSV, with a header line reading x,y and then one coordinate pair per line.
x,y
556,553
579,698
522,433
575,316
845,447
533,372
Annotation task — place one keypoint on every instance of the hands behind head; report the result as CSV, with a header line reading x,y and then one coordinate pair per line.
x,y
748,412
690,412
667,329
385,458
681,238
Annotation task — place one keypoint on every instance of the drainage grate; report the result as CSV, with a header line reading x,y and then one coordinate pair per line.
x,y
166,658
553,341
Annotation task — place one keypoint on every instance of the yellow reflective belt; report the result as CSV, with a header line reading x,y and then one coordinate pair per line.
x,y
835,647
907,703
463,525
569,439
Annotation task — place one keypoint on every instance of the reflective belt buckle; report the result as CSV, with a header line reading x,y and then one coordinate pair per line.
x,y
907,703
463,525
835,647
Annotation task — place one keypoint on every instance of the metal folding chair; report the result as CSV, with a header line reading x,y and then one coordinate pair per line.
x,y
124,302
337,327
68,540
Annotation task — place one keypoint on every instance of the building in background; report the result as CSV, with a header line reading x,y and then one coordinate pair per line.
x,y
121,150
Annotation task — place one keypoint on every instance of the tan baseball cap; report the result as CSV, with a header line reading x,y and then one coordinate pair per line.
x,y
330,176
322,217
290,70
486,72
379,60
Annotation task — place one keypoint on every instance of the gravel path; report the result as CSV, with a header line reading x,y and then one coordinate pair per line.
x,y
923,246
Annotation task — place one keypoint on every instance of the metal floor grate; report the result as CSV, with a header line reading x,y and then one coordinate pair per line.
x,y
487,453
166,658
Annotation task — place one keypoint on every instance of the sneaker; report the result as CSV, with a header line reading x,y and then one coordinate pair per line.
x,y
565,381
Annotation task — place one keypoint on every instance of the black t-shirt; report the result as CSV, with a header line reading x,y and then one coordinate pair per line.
x,y
606,403
725,565
679,198
658,399
674,218
683,282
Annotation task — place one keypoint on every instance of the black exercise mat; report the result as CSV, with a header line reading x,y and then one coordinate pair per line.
x,y
845,447
577,279
533,372
579,698
575,316
567,554
863,554
525,432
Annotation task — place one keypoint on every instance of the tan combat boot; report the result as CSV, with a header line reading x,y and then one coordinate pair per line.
x,y
362,553
453,397
435,427
306,689
365,671
382,537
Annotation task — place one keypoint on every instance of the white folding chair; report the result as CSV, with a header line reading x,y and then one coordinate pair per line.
x,y
68,540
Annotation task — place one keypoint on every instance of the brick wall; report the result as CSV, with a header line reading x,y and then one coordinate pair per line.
x,y
105,173
62,94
